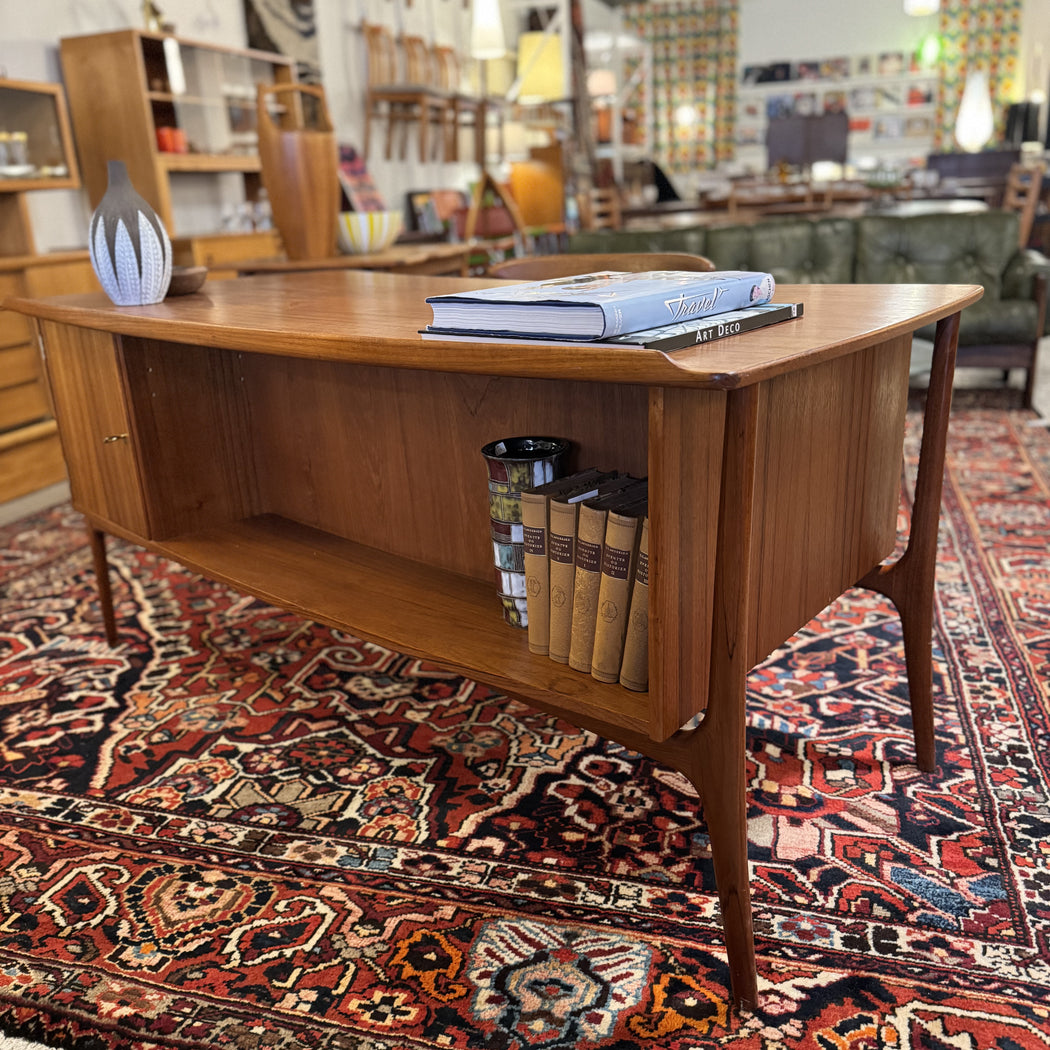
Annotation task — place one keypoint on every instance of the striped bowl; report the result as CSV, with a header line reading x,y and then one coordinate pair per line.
x,y
360,232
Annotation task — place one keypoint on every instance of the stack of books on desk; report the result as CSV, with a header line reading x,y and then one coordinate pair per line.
x,y
587,574
660,310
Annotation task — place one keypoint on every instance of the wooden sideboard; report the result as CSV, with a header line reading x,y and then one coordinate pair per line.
x,y
293,435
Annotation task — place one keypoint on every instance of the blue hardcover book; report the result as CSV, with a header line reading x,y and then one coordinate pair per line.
x,y
599,305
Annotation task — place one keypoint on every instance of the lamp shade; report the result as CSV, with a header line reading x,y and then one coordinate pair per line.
x,y
921,7
975,122
601,83
540,68
486,30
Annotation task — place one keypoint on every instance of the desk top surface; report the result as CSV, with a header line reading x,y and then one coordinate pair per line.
x,y
374,318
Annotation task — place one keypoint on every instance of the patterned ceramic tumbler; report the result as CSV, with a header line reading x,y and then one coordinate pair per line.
x,y
514,464
129,247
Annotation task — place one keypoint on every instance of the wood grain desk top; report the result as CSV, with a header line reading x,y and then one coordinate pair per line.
x,y
375,318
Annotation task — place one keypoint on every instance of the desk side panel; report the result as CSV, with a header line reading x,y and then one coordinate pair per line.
x,y
87,387
685,476
827,486
391,458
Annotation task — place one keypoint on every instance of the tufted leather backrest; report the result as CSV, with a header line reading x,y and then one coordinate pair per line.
x,y
937,249
794,251
688,239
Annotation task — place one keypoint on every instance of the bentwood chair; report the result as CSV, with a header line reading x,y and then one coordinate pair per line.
x,y
601,209
545,267
400,103
1024,185
464,111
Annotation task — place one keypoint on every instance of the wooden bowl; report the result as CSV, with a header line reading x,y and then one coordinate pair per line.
x,y
187,279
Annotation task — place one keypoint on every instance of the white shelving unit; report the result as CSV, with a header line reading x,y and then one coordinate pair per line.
x,y
892,114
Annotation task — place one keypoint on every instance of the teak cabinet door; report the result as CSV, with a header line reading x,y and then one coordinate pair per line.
x,y
84,371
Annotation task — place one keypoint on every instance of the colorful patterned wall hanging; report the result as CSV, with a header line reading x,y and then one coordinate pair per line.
x,y
977,34
694,54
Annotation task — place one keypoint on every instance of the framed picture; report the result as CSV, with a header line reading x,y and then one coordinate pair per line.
x,y
834,68
780,106
888,96
805,103
922,93
891,63
358,188
834,101
918,127
862,98
888,128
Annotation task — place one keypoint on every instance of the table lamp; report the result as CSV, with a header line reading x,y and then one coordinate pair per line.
x,y
975,122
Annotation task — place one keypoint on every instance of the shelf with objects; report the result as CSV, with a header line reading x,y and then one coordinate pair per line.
x,y
174,111
36,153
889,100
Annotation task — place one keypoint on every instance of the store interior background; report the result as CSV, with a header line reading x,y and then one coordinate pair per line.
x,y
768,31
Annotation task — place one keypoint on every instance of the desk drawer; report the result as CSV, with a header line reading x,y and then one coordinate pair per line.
x,y
30,459
22,404
18,365
14,328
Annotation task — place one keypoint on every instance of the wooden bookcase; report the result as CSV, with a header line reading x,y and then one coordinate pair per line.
x,y
134,95
34,117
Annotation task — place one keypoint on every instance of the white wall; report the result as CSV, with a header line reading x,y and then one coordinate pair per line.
x,y
785,29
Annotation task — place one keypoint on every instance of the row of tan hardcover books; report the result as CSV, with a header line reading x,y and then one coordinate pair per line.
x,y
586,539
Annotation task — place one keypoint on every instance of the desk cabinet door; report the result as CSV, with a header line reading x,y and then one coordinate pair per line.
x,y
87,385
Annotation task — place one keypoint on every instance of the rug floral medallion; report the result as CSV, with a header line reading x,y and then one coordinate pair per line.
x,y
241,830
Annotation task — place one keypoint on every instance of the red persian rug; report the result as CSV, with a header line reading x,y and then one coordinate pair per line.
x,y
239,830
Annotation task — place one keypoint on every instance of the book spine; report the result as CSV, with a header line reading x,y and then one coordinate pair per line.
x,y
537,570
707,331
619,558
678,305
590,539
561,550
634,669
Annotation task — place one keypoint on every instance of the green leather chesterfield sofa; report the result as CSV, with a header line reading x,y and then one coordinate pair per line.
x,y
1000,331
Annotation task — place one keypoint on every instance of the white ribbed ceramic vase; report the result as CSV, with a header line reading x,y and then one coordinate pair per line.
x,y
130,249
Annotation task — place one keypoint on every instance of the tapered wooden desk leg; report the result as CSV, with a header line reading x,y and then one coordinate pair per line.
x,y
909,581
97,539
720,771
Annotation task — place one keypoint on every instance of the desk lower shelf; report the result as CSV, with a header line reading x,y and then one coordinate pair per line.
x,y
404,605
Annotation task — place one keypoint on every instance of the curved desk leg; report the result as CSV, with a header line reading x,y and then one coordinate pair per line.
x,y
714,755
720,773
909,581
97,539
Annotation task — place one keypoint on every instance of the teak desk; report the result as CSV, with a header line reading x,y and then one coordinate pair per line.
x,y
294,437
